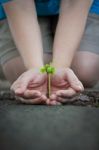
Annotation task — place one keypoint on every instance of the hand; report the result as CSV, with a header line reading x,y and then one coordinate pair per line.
x,y
64,83
31,87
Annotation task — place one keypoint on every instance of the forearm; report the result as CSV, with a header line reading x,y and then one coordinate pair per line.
x,y
24,26
70,28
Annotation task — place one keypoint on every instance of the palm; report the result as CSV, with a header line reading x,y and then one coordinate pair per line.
x,y
58,83
39,83
31,86
64,83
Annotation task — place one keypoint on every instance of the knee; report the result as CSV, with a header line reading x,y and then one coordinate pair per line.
x,y
87,77
13,69
87,74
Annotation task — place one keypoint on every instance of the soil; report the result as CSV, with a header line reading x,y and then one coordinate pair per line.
x,y
87,98
66,127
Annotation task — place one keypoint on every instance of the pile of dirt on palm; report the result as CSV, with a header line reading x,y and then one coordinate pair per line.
x,y
87,98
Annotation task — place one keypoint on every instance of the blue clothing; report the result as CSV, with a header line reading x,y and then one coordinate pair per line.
x,y
49,7
4,1
95,7
2,14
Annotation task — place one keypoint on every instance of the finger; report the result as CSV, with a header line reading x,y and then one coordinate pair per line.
x,y
47,101
62,100
66,93
74,82
29,94
31,101
21,88
53,97
14,86
20,85
53,103
44,98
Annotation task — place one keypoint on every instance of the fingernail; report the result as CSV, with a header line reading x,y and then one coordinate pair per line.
x,y
58,94
53,102
38,94
58,103
53,96
80,88
18,91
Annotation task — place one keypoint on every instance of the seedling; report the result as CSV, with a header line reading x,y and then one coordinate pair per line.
x,y
49,70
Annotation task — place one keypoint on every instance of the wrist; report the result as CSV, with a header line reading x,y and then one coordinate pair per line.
x,y
61,61
34,65
60,65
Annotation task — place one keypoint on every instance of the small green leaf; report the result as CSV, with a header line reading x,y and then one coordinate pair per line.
x,y
53,70
49,69
47,65
43,70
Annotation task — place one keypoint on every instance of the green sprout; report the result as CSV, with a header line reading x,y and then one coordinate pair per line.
x,y
49,70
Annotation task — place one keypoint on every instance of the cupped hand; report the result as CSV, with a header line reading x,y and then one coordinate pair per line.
x,y
31,87
64,84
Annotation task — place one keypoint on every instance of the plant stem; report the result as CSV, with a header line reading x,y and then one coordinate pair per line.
x,y
49,85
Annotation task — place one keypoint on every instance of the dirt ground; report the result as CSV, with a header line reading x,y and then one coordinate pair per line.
x,y
28,127
88,98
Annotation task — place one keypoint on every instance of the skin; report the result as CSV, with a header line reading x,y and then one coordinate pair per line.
x,y
65,35
22,20
64,84
69,31
86,66
31,85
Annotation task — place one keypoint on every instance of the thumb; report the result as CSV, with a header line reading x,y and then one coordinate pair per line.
x,y
22,87
74,82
